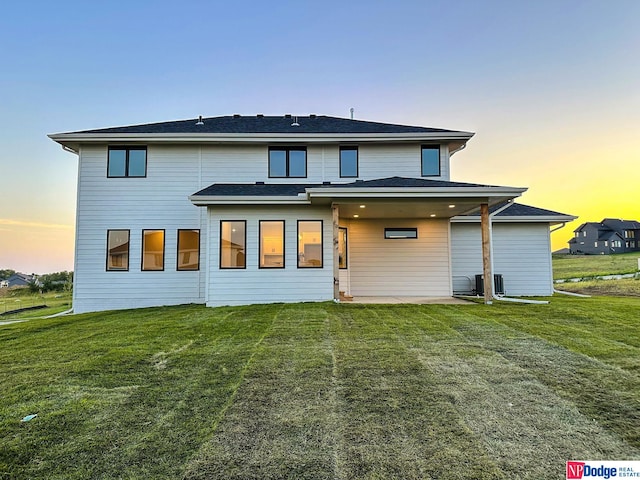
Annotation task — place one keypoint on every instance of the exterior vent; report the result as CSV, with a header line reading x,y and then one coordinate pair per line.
x,y
313,115
498,284
236,115
287,115
260,115
259,183
326,183
200,122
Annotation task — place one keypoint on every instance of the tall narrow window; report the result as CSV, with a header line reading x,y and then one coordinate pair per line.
x,y
342,248
287,162
348,161
188,250
271,244
431,161
233,240
309,243
152,250
117,250
127,162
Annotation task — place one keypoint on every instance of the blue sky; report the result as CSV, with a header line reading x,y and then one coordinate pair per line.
x,y
549,87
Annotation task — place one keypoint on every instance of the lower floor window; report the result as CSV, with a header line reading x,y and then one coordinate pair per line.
x,y
117,250
152,250
188,250
309,243
271,244
233,238
393,233
342,248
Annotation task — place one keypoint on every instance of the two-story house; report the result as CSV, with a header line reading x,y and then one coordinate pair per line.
x,y
252,209
610,236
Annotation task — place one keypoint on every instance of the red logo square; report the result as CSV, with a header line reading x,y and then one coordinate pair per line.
x,y
575,470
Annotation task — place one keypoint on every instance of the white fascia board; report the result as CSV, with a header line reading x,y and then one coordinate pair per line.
x,y
200,200
75,138
416,192
518,219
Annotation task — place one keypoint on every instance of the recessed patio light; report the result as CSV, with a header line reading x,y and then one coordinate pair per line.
x,y
432,215
452,206
356,216
362,206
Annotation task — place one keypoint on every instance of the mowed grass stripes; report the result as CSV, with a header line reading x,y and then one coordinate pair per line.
x,y
322,391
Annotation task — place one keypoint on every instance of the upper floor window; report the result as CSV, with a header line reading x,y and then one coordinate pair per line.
x,y
348,161
117,250
127,162
287,162
430,161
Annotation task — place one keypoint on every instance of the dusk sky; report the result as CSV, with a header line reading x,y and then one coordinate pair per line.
x,y
551,88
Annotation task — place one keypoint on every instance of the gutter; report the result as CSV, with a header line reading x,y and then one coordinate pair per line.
x,y
256,137
68,149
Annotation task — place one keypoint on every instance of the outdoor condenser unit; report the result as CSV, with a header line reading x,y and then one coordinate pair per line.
x,y
498,284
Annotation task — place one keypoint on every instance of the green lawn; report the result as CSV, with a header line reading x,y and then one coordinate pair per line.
x,y
579,266
622,287
322,391
15,299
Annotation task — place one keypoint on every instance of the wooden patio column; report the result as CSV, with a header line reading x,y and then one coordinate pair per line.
x,y
486,253
336,254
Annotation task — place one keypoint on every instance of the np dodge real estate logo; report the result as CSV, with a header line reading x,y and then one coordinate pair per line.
x,y
606,470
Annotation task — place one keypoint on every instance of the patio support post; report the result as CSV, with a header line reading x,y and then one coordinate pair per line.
x,y
336,254
486,253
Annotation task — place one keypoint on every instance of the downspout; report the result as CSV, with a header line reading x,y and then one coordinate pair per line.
x,y
558,228
495,295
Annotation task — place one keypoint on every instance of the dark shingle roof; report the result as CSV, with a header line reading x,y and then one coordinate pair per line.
x,y
618,224
410,183
607,234
521,210
289,189
254,190
270,124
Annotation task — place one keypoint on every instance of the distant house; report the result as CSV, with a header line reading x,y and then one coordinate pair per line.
x,y
609,236
18,280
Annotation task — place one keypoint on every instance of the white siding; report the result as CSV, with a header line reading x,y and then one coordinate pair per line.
x,y
266,285
158,201
522,255
249,163
406,267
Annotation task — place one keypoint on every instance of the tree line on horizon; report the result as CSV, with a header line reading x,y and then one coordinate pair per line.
x,y
48,282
